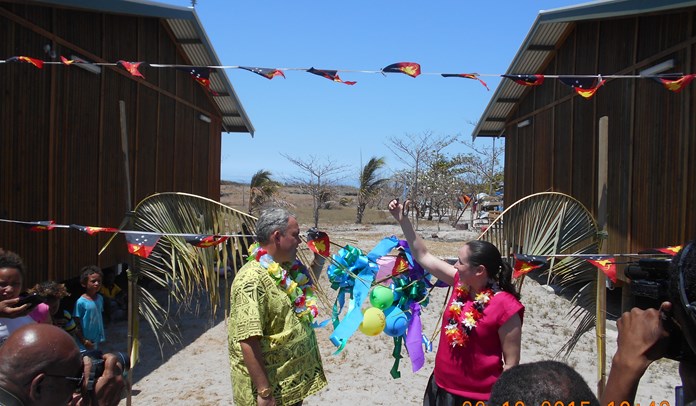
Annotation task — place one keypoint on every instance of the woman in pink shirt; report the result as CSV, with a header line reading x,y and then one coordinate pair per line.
x,y
481,325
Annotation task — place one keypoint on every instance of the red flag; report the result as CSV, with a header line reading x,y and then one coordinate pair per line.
x,y
39,225
329,74
605,264
400,264
93,230
321,245
132,67
67,61
584,86
36,62
200,75
676,85
412,69
205,241
141,244
527,263
467,76
268,73
526,80
671,250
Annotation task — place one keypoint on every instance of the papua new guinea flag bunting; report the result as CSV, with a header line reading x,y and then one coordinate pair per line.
x,y
321,244
412,69
584,86
676,83
141,244
200,75
36,62
39,225
93,230
268,73
205,241
671,250
526,80
527,263
330,74
604,264
466,76
132,67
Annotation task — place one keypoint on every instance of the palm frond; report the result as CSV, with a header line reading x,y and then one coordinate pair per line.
x,y
188,272
553,223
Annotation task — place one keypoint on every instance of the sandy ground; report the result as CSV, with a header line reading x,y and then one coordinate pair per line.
x,y
197,371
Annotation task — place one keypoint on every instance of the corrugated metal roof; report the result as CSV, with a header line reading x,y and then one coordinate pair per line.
x,y
541,41
195,43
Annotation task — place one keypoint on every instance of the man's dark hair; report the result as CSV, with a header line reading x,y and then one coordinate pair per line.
x,y
542,382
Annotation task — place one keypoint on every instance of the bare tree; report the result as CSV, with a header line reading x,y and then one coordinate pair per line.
x,y
414,150
320,178
486,164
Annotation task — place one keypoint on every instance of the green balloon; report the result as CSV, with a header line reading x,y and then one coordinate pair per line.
x,y
381,297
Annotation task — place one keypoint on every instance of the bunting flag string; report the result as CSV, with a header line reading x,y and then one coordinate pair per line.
x,y
321,243
584,85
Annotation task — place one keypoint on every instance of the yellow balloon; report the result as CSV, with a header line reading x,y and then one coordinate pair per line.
x,y
373,321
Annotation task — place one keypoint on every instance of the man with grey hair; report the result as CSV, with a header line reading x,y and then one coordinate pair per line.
x,y
274,356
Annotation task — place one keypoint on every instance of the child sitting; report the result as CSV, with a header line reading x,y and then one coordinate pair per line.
x,y
89,308
114,297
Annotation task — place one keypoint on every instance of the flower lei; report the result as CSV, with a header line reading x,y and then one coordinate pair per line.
x,y
463,319
294,281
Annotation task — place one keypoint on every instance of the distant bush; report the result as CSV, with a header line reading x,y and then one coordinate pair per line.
x,y
345,201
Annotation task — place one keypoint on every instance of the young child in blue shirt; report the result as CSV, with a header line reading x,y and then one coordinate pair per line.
x,y
89,308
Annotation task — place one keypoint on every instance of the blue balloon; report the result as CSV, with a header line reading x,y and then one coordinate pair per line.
x,y
396,322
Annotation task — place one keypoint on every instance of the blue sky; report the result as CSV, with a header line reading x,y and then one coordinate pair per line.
x,y
305,114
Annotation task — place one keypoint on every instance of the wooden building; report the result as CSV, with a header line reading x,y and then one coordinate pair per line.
x,y
62,156
551,133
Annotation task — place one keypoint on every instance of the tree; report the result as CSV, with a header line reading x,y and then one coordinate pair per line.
x,y
441,184
320,180
370,185
414,150
486,166
261,189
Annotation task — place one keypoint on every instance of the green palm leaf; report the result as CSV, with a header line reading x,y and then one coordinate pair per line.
x,y
191,274
553,223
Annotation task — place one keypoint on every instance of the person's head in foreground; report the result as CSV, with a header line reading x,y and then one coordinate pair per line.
x,y
542,382
278,232
40,364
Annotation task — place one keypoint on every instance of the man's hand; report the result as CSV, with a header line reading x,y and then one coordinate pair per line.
x,y
642,337
8,311
108,388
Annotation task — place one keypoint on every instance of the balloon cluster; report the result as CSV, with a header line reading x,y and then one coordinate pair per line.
x,y
390,312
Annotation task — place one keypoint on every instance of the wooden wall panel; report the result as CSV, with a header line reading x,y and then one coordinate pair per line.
x,y
542,158
166,144
66,120
562,148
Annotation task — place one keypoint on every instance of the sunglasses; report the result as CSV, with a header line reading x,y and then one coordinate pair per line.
x,y
77,381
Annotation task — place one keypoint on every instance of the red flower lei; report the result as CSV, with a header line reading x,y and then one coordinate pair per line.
x,y
465,314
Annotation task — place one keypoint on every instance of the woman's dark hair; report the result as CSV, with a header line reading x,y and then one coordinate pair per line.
x,y
486,254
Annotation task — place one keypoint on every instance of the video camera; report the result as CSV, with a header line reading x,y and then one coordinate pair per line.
x,y
650,280
97,369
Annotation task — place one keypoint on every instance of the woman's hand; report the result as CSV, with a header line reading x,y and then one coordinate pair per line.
x,y
397,209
